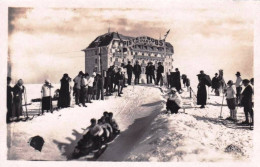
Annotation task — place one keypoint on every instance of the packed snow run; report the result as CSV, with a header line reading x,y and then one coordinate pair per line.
x,y
147,133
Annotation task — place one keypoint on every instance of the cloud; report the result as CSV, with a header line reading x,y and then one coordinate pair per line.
x,y
43,41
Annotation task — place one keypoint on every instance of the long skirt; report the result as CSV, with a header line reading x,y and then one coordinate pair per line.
x,y
202,95
46,103
17,107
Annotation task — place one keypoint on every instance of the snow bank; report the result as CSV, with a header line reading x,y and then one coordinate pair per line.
x,y
196,135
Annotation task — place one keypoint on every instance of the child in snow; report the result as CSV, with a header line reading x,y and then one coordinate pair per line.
x,y
231,101
174,102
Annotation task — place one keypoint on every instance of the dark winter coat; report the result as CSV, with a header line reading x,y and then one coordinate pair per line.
x,y
160,69
129,69
64,94
137,69
151,69
202,92
118,76
247,96
147,70
17,100
215,83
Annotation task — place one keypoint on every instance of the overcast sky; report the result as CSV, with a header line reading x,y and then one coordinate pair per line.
x,y
47,42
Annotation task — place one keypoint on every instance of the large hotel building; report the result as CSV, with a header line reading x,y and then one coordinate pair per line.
x,y
115,49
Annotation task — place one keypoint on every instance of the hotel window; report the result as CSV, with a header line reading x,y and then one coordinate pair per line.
x,y
111,59
96,61
116,59
142,54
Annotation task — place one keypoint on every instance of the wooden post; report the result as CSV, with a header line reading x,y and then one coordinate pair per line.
x,y
102,75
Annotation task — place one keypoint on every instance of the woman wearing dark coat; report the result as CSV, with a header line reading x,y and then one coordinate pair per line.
x,y
18,91
64,94
9,100
202,91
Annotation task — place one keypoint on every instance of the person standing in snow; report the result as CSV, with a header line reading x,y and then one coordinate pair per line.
x,y
90,87
137,72
98,85
231,101
129,71
246,101
215,84
174,102
151,70
18,91
9,100
238,87
147,73
119,82
160,70
178,79
64,93
46,96
77,86
202,91
84,89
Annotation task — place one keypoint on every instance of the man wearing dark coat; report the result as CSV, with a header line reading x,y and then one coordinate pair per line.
x,y
64,94
147,73
98,85
160,70
119,81
177,79
216,84
151,70
9,100
129,70
202,91
246,101
18,91
137,72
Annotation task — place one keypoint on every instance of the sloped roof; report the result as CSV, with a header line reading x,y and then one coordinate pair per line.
x,y
105,39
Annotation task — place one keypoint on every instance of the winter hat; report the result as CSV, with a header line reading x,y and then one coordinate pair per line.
x,y
65,75
230,82
246,81
20,82
216,73
238,74
9,79
173,90
81,73
47,81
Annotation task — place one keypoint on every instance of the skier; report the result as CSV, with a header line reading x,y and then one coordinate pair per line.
x,y
231,101
18,91
160,70
77,86
129,71
246,101
137,72
202,91
46,96
174,102
64,92
238,87
9,100
215,84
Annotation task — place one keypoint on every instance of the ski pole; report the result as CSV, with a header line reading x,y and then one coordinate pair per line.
x,y
222,106
25,100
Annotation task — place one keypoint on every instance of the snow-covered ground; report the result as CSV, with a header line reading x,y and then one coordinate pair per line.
x,y
196,135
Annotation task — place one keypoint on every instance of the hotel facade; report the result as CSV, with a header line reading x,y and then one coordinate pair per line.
x,y
115,49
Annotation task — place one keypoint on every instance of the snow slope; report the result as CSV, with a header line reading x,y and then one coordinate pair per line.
x,y
62,129
196,135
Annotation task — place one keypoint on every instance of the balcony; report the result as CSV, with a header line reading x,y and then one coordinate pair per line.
x,y
120,55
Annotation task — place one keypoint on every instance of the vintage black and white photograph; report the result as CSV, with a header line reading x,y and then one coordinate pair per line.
x,y
158,81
